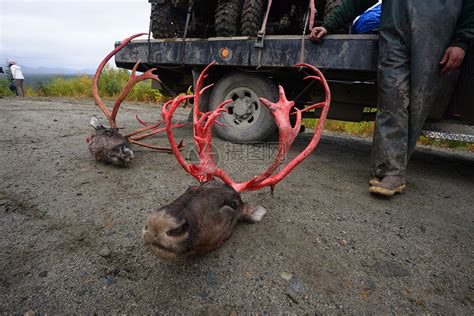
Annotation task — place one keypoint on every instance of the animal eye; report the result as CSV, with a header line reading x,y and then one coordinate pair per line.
x,y
109,133
176,232
231,204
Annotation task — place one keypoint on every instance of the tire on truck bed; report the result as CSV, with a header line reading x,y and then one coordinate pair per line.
x,y
166,20
252,16
248,120
228,17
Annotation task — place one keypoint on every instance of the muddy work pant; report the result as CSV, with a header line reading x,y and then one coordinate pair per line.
x,y
414,35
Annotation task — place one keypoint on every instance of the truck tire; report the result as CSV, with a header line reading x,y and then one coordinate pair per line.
x,y
252,16
180,4
247,120
166,22
228,17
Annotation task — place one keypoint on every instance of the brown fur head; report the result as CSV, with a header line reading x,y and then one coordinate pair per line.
x,y
198,221
108,145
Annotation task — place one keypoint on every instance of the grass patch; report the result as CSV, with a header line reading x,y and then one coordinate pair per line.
x,y
111,83
366,129
449,144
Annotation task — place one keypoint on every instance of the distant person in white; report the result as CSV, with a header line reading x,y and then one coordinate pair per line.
x,y
17,77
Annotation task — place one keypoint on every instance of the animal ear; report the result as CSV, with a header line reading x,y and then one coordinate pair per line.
x,y
95,123
253,214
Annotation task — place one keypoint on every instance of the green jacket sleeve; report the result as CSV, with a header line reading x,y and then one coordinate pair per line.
x,y
465,28
345,13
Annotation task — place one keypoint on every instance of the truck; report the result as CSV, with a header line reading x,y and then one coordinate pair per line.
x,y
253,64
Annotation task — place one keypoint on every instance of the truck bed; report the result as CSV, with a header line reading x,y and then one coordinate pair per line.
x,y
335,52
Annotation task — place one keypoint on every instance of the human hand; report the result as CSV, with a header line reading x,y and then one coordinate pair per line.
x,y
318,33
452,59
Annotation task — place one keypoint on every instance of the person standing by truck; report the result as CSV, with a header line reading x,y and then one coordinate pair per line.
x,y
420,41
17,76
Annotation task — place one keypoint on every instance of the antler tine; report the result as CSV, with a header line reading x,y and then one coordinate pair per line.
x,y
272,181
316,105
143,129
95,82
142,122
203,142
159,149
202,125
319,77
153,131
134,79
198,91
167,112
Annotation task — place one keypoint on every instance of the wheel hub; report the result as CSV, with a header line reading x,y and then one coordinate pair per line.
x,y
244,111
242,107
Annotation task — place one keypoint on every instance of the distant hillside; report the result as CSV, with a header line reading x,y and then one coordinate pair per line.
x,y
39,76
35,80
38,80
55,71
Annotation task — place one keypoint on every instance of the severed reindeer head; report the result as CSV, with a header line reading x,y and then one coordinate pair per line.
x,y
198,221
108,144
203,217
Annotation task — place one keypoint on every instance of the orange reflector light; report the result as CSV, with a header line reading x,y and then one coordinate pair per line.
x,y
225,53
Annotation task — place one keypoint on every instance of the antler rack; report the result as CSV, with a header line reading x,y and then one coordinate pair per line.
x,y
148,129
207,169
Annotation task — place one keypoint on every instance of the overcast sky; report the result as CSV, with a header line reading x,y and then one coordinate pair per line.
x,y
67,33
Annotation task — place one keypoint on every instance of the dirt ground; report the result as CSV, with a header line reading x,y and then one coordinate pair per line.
x,y
71,228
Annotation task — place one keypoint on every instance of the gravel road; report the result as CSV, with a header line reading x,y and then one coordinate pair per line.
x,y
71,228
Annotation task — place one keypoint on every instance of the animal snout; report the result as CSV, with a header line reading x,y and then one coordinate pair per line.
x,y
165,235
125,152
161,225
121,155
153,228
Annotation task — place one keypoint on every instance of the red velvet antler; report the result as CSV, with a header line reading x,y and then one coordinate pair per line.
x,y
149,129
312,14
203,122
202,126
95,83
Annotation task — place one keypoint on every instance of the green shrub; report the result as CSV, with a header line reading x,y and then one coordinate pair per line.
x,y
110,85
364,129
4,90
78,87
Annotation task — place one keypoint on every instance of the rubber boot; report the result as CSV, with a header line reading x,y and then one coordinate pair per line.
x,y
389,186
374,181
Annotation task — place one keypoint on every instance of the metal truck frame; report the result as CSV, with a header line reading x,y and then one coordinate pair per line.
x,y
245,71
